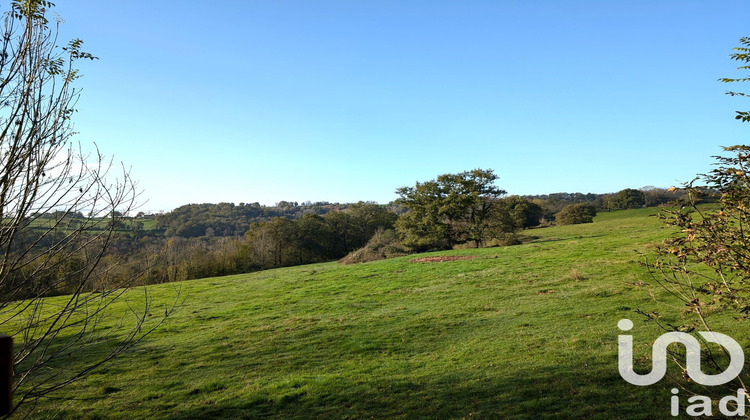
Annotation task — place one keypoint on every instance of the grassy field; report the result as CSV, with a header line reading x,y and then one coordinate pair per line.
x,y
527,331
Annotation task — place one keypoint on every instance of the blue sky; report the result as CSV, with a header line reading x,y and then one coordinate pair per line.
x,y
341,101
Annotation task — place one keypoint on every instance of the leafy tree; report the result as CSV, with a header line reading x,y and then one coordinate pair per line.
x,y
630,198
342,226
573,214
314,239
657,196
549,209
42,173
522,213
423,227
366,219
479,184
452,209
551,204
272,243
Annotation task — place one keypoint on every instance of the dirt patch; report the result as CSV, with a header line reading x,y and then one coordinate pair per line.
x,y
545,292
443,259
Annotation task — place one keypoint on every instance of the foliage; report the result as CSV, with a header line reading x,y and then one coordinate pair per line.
x,y
217,241
283,242
228,219
452,209
654,196
573,214
312,238
630,198
59,217
551,204
383,244
706,263
233,220
504,239
716,238
742,54
522,213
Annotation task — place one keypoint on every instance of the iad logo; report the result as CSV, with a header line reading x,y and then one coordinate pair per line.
x,y
692,357
693,368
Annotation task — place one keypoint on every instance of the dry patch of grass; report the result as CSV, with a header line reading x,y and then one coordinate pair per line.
x,y
443,258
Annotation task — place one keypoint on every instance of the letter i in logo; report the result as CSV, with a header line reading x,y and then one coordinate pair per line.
x,y
625,359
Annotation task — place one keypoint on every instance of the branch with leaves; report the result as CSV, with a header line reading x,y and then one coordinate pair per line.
x,y
60,209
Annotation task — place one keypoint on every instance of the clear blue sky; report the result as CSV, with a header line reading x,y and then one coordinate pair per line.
x,y
244,101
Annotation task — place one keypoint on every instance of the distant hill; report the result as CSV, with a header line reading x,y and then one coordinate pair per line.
x,y
228,219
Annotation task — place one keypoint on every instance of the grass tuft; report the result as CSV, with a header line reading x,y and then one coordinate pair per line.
x,y
576,275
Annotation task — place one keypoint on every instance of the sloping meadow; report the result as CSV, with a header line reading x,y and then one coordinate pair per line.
x,y
514,332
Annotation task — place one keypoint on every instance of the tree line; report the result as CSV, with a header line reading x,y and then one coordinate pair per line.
x,y
231,220
264,244
465,209
228,219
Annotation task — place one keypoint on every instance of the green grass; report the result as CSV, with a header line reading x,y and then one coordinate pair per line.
x,y
527,331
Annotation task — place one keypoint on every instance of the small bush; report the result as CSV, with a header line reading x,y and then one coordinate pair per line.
x,y
504,239
384,244
574,214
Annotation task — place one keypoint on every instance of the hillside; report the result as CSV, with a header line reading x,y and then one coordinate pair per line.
x,y
513,332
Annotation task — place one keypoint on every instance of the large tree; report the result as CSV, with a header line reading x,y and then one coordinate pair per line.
x,y
451,209
522,213
59,213
630,198
573,214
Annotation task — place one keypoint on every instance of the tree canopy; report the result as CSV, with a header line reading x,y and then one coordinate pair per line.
x,y
573,214
449,210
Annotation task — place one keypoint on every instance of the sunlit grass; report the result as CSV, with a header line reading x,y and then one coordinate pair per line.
x,y
517,332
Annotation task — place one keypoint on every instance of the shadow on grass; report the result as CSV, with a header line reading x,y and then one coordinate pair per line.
x,y
536,393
